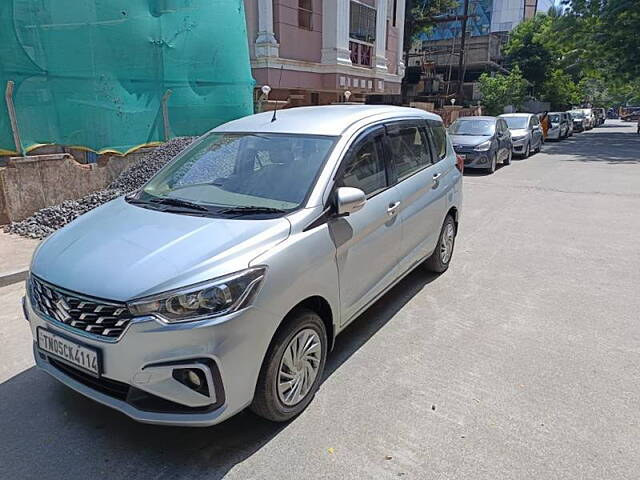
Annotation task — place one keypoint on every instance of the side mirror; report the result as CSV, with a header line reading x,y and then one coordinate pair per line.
x,y
349,200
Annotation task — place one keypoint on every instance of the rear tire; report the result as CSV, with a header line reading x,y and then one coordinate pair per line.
x,y
306,334
440,259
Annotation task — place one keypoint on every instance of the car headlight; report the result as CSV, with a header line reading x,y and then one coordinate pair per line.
x,y
206,299
483,147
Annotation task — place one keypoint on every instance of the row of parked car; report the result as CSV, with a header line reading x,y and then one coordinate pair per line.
x,y
483,142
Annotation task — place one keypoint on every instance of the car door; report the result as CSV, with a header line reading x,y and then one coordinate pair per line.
x,y
504,139
536,131
421,182
367,241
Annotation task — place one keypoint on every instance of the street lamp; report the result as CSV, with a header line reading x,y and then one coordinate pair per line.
x,y
264,97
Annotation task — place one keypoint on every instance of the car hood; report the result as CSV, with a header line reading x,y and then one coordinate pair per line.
x,y
519,132
468,140
120,251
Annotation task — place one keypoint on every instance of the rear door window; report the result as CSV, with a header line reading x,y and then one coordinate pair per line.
x,y
408,148
438,136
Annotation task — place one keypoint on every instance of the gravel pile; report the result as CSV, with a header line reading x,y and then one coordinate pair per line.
x,y
46,221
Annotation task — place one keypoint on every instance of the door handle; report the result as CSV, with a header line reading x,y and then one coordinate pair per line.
x,y
436,179
393,208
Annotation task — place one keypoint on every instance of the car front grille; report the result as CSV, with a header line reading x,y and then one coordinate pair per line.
x,y
98,317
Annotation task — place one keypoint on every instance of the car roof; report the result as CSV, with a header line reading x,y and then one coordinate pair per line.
x,y
474,117
517,115
320,120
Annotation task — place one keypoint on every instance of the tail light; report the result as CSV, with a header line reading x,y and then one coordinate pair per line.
x,y
460,163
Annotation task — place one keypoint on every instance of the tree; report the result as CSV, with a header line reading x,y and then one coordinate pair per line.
x,y
529,47
610,28
500,91
560,91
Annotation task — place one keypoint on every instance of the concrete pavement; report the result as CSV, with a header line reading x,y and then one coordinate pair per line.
x,y
520,362
15,257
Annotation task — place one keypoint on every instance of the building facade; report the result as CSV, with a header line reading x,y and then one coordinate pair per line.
x,y
310,52
435,60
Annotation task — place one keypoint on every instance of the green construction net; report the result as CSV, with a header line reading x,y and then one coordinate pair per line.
x,y
92,73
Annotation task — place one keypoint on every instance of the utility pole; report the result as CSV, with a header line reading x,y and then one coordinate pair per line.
x,y
461,60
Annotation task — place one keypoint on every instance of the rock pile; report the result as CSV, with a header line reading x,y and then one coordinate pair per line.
x,y
46,221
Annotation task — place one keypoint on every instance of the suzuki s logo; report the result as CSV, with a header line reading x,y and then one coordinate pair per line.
x,y
62,311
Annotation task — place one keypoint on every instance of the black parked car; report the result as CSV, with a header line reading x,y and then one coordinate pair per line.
x,y
483,142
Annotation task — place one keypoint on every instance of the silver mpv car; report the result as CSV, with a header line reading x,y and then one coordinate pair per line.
x,y
223,282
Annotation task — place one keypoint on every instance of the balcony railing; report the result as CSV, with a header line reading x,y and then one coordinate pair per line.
x,y
361,53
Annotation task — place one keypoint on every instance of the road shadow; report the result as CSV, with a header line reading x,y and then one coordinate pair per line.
x,y
605,144
50,431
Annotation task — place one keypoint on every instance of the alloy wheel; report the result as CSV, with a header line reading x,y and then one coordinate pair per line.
x,y
299,367
446,243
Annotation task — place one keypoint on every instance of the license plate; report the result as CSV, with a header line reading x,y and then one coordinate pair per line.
x,y
462,156
79,356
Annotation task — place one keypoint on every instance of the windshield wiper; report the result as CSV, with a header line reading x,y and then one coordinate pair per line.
x,y
176,202
250,209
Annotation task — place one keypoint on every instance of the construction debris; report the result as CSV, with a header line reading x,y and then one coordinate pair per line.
x,y
49,219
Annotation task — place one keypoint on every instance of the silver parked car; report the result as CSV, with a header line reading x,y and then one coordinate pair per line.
x,y
223,282
558,126
526,132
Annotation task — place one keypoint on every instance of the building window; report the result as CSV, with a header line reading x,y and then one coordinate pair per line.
x,y
362,33
361,53
305,14
395,11
362,23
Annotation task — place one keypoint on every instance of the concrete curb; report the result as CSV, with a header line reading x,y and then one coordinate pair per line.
x,y
9,278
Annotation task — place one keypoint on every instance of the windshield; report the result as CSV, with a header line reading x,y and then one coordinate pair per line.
x,y
575,114
516,123
482,128
242,171
554,118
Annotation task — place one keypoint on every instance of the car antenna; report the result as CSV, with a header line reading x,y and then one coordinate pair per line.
x,y
275,109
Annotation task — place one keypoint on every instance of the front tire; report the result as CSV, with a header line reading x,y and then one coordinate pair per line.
x,y
293,367
494,162
527,150
507,161
440,259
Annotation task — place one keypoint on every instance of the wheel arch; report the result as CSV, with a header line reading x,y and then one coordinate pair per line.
x,y
320,306
453,212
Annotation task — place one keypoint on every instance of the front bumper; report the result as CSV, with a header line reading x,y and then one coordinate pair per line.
x,y
134,377
474,159
518,145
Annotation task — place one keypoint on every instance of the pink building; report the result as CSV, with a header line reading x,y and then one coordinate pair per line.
x,y
326,47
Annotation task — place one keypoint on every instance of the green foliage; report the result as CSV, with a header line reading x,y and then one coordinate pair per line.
x,y
611,29
559,89
586,52
502,90
531,49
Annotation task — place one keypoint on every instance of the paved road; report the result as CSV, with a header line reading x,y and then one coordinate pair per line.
x,y
521,362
